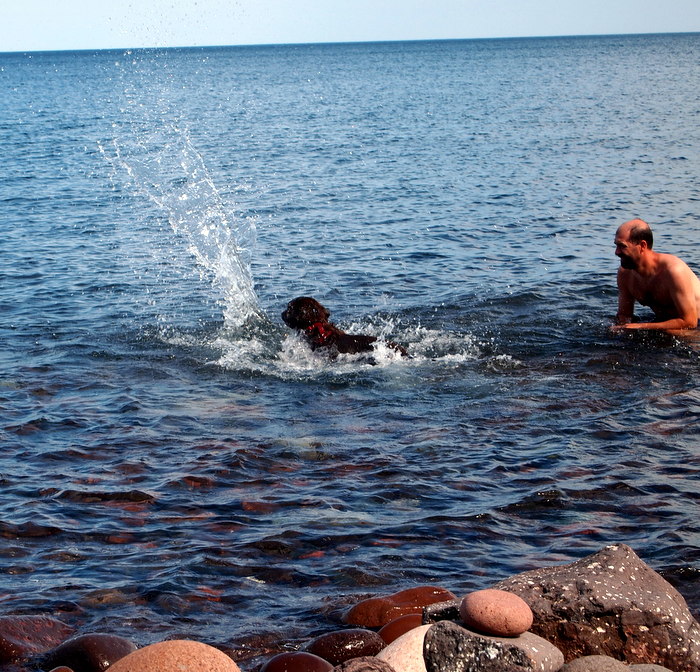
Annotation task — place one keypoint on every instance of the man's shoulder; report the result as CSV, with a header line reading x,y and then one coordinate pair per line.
x,y
675,272
672,263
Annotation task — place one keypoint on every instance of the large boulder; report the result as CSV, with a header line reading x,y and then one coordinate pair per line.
x,y
449,647
611,603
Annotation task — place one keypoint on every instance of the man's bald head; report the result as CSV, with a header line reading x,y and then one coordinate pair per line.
x,y
636,231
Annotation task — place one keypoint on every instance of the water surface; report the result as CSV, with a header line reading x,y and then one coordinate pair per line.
x,y
176,463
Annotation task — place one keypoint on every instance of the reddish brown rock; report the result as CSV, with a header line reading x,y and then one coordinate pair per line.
x,y
89,653
176,654
399,626
61,669
364,664
296,661
378,611
341,645
23,637
611,603
496,612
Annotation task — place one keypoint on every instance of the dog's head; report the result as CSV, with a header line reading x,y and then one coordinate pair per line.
x,y
303,312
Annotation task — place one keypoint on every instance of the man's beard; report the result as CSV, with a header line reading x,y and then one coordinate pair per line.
x,y
627,262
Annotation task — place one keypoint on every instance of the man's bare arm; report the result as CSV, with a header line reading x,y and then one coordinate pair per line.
x,y
682,296
625,300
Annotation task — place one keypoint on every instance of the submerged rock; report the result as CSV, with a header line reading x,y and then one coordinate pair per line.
x,y
611,603
22,637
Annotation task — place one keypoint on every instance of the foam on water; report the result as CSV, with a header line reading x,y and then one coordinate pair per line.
x,y
287,355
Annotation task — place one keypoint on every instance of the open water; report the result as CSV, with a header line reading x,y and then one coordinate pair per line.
x,y
176,463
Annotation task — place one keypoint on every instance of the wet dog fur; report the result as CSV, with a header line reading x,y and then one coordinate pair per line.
x,y
310,318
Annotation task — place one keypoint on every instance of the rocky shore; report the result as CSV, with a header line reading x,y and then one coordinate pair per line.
x,y
608,612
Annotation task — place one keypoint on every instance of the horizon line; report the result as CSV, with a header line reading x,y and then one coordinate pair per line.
x,y
342,42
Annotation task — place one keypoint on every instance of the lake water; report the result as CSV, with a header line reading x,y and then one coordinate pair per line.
x,y
175,462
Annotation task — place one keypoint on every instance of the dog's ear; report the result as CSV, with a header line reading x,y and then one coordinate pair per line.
x,y
316,311
312,311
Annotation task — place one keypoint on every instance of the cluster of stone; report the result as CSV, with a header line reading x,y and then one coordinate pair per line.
x,y
487,631
608,612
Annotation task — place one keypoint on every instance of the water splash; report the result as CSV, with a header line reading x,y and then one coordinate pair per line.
x,y
285,354
162,163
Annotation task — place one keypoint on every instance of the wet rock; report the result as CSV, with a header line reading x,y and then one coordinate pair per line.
x,y
176,654
442,611
378,611
89,653
364,664
496,612
451,648
341,645
611,603
296,661
595,664
61,669
400,626
405,654
22,637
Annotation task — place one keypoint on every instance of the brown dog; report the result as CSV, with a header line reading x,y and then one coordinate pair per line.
x,y
309,317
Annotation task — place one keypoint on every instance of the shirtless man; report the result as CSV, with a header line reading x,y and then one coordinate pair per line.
x,y
661,281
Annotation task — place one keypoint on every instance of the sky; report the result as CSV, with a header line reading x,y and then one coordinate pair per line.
x,y
43,25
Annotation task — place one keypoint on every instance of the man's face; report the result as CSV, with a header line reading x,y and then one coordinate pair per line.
x,y
627,251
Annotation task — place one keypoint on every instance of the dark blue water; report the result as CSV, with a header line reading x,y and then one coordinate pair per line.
x,y
176,463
